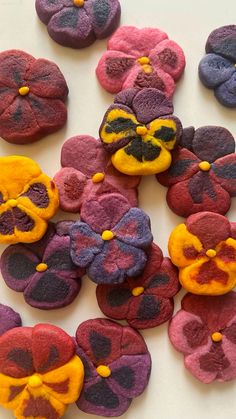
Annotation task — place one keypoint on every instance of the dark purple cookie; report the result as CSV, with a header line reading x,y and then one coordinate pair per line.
x,y
217,69
117,366
43,271
78,23
8,319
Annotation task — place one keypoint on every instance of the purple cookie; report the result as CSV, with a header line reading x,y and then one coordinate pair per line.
x,y
43,271
117,366
87,171
78,23
217,69
8,319
111,239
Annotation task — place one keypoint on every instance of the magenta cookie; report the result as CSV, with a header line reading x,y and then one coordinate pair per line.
x,y
217,69
8,319
87,171
111,239
140,58
43,271
204,330
146,301
202,176
117,366
78,23
32,97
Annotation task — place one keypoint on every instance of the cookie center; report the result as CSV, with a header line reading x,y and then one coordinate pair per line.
x,y
24,90
35,381
141,130
204,166
104,371
98,177
107,235
78,3
137,291
41,267
211,253
216,337
145,64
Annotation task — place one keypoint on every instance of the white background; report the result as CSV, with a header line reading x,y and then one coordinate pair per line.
x,y
172,392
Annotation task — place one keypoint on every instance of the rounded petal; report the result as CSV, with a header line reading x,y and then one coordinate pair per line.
x,y
222,41
164,282
149,104
14,65
9,319
215,70
7,96
71,185
226,92
105,16
47,8
12,391
134,229
114,300
224,173
183,246
168,56
212,142
206,363
85,244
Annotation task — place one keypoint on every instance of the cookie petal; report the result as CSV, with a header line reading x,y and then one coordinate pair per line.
x,y
7,96
114,300
12,391
212,142
105,15
183,246
226,92
222,41
165,131
71,184
215,70
14,66
224,173
168,56
154,78
164,282
85,244
9,319
134,229
46,8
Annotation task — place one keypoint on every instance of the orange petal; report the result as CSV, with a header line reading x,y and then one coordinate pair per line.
x,y
184,247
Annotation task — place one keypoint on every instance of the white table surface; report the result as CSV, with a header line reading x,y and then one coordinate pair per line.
x,y
172,392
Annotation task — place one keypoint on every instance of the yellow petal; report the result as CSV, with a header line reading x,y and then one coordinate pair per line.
x,y
181,244
11,391
115,116
159,125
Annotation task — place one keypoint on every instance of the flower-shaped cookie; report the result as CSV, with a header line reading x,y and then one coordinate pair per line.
x,y
140,131
217,70
8,319
111,239
117,366
43,271
32,96
28,198
204,250
87,171
78,23
204,330
146,301
140,58
40,373
202,176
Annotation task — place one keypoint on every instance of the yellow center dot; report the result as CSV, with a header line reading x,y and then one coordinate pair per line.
x,y
211,253
147,69
12,203
41,267
137,291
204,166
98,177
107,235
78,3
216,337
141,130
144,60
24,90
35,381
103,371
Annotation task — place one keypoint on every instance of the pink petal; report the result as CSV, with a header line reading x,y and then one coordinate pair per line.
x,y
169,57
71,184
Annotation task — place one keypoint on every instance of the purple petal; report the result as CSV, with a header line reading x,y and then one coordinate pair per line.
x,y
214,70
9,319
226,92
134,229
47,8
150,104
212,142
85,244
105,15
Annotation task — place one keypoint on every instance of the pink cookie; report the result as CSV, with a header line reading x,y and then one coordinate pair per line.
x,y
87,171
140,58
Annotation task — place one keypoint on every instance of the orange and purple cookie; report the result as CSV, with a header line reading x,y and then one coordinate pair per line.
x,y
28,199
146,301
204,250
204,331
140,58
32,97
117,366
40,372
87,171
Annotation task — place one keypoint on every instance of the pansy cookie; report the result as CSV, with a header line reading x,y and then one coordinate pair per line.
x,y
204,331
117,366
78,23
87,171
28,199
8,319
111,239
40,372
145,301
202,176
140,131
204,250
43,271
140,58
32,97
217,70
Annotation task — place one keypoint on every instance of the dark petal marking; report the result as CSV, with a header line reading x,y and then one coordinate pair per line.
x,y
195,333
20,266
37,193
22,358
101,345
190,252
149,80
6,223
61,387
200,184
227,48
179,167
141,150
69,19
148,308
73,187
215,360
17,115
120,125
36,104
35,405
61,260
52,358
118,297
230,333
23,222
100,394
17,77
125,377
50,289
101,10
116,67
14,391
226,172
209,272
165,134
158,280
167,56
